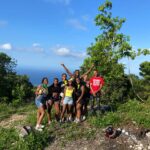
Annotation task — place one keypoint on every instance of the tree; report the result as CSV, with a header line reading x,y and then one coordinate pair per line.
x,y
12,86
109,47
7,65
145,70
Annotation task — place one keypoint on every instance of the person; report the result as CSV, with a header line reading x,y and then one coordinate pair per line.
x,y
41,93
68,101
54,98
76,74
63,84
79,100
96,83
86,84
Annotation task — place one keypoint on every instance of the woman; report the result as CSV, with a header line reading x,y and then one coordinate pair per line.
x,y
54,98
79,94
86,83
62,84
68,101
41,93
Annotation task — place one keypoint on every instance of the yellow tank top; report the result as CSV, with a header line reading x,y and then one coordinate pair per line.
x,y
69,92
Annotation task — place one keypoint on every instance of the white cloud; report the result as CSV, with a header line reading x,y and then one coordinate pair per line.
x,y
6,46
77,24
37,47
66,2
3,23
66,52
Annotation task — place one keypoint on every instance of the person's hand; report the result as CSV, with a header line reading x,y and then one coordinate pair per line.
x,y
94,94
62,64
78,100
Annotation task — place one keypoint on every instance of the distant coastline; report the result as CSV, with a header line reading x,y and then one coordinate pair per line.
x,y
36,75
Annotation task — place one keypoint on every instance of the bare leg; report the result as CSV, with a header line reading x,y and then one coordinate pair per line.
x,y
70,111
38,114
42,112
57,109
78,107
49,107
63,111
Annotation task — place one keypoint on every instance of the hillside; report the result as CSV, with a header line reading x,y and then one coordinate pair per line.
x,y
133,117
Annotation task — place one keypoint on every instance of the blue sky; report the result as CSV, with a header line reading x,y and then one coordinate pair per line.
x,y
41,34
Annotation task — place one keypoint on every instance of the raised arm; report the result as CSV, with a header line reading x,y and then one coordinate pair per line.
x,y
87,71
67,70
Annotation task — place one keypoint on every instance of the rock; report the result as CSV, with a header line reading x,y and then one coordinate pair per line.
x,y
123,131
25,130
126,133
130,146
148,134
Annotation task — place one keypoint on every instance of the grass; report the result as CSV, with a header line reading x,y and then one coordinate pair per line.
x,y
6,110
132,111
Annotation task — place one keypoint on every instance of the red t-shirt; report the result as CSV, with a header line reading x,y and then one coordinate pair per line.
x,y
95,83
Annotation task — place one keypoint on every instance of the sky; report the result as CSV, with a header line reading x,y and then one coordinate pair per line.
x,y
42,34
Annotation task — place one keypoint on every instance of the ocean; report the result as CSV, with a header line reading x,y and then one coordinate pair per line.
x,y
36,75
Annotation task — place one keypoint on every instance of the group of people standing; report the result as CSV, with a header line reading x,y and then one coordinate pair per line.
x,y
70,97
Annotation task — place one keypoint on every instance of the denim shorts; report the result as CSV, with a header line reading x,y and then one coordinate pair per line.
x,y
68,100
38,100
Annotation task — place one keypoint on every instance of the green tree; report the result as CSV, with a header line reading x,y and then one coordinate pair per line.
x,y
7,73
22,89
109,47
12,86
145,70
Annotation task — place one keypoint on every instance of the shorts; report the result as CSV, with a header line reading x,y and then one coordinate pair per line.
x,y
53,100
68,100
39,101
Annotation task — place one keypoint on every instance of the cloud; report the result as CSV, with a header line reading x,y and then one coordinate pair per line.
x,y
66,52
6,46
3,23
77,24
37,48
65,2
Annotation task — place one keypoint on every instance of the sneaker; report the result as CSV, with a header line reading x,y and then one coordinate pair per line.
x,y
38,128
70,119
61,120
41,126
83,118
77,120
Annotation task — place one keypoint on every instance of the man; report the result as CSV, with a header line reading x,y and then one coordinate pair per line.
x,y
96,83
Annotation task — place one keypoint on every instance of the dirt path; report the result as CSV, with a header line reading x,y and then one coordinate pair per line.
x,y
7,123
125,141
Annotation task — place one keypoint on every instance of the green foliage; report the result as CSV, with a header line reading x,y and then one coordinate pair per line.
x,y
130,112
12,87
109,48
8,138
22,89
145,70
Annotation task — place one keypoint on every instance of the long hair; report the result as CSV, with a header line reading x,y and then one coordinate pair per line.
x,y
45,78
